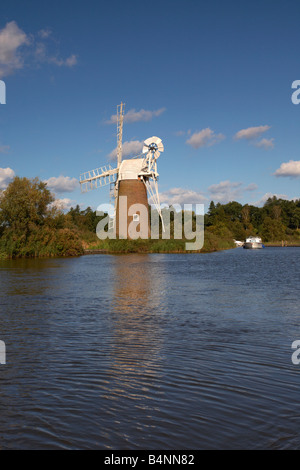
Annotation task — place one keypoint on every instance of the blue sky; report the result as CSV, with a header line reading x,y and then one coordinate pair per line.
x,y
211,79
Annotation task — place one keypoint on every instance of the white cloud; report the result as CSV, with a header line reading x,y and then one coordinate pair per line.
x,y
226,191
63,204
134,116
265,143
62,184
69,62
251,132
264,199
12,55
40,52
6,176
42,56
182,196
45,33
133,147
223,192
179,133
12,38
251,187
72,60
205,137
4,148
291,169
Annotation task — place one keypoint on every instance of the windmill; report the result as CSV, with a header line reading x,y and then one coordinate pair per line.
x,y
133,178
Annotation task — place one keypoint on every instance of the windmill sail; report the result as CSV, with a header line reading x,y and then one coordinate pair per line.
x,y
97,178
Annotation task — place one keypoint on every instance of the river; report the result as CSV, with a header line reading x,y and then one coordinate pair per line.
x,y
158,351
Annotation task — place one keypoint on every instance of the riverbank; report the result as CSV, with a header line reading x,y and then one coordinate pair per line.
x,y
211,243
285,244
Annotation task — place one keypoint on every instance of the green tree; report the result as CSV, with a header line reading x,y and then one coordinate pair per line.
x,y
25,203
237,229
233,211
30,225
245,213
272,230
209,218
295,218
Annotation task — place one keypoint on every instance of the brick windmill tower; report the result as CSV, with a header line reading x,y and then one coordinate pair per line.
x,y
131,181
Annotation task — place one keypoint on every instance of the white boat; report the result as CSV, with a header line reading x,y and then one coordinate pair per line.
x,y
253,242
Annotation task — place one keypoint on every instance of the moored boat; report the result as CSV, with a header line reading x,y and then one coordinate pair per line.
x,y
253,242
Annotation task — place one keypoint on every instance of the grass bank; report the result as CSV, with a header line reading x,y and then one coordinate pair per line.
x,y
211,243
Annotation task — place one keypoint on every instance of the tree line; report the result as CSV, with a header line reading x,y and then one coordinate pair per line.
x,y
277,220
